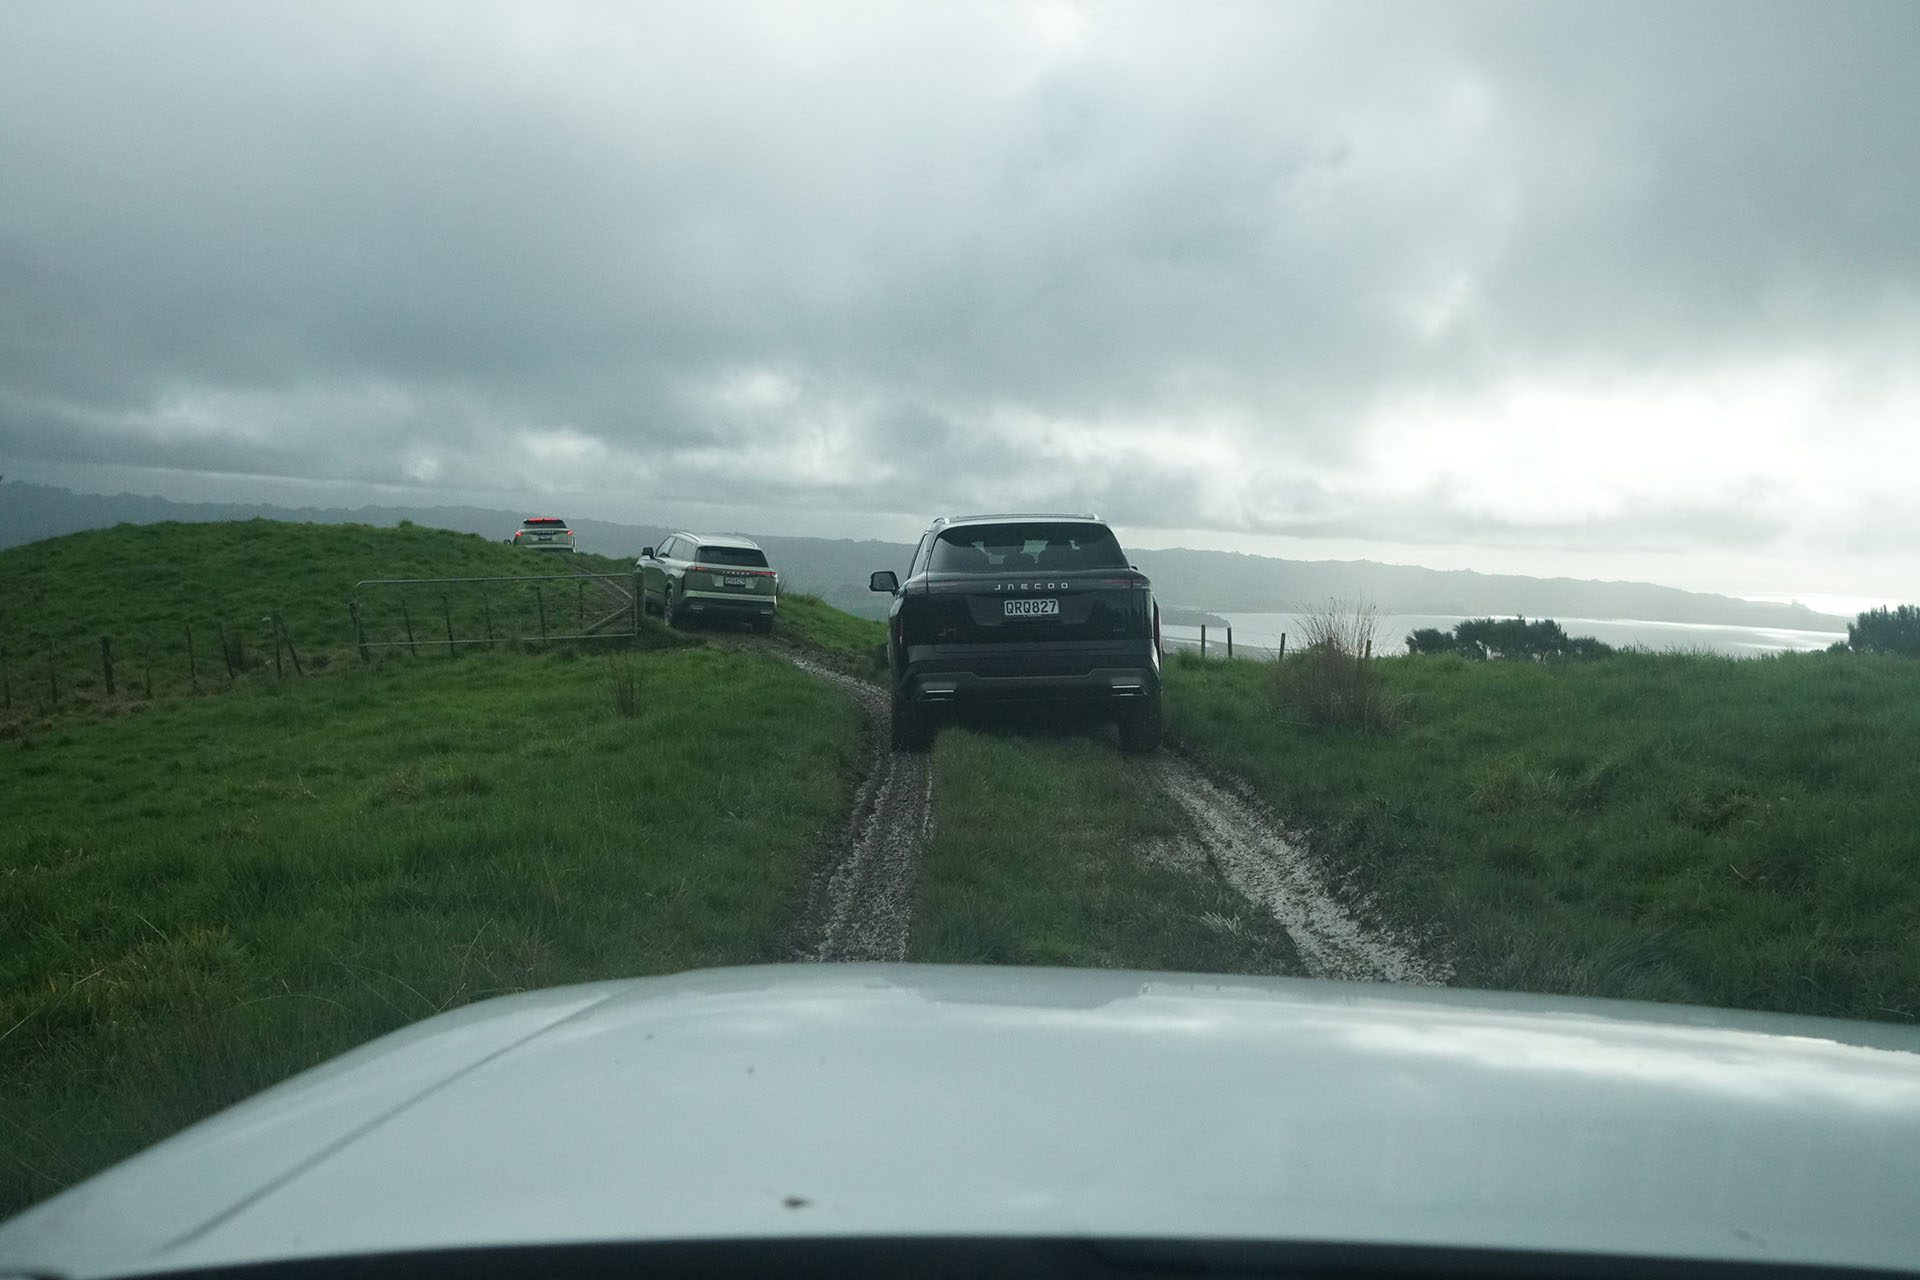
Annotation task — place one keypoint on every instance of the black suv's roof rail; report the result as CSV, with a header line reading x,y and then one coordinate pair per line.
x,y
1016,515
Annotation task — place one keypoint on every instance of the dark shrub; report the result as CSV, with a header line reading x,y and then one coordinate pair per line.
x,y
1509,639
1886,630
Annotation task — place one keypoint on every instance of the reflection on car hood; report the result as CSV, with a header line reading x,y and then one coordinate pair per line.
x,y
908,1100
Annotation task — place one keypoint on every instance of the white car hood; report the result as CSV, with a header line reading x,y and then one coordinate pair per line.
x,y
908,1100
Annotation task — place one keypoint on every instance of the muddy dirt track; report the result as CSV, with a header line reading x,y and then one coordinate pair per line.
x,y
1247,846
862,898
861,902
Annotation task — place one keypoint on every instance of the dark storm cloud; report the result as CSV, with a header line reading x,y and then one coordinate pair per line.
x,y
911,257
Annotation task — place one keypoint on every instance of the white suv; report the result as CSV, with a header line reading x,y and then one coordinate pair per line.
x,y
544,533
693,576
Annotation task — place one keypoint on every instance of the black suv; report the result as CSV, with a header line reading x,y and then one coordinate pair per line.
x,y
1022,607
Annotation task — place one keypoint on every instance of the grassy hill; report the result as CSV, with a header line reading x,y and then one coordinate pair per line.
x,y
1741,833
143,586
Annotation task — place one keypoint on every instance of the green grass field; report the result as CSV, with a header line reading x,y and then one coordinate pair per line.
x,y
207,894
1671,827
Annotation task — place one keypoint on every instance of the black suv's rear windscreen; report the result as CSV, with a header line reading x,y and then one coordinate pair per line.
x,y
1026,547
742,557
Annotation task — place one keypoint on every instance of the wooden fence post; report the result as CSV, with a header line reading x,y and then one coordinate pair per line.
x,y
408,619
106,663
359,631
638,612
1229,642
580,607
486,610
540,603
280,625
1283,646
193,668
273,628
446,611
1203,639
226,650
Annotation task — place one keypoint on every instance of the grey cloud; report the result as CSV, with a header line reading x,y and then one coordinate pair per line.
x,y
1434,519
531,218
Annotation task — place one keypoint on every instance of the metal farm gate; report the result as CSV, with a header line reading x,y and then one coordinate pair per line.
x,y
412,613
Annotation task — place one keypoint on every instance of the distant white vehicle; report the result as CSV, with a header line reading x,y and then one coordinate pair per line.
x,y
544,533
692,576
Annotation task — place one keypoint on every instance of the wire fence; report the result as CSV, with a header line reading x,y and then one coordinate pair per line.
x,y
52,665
1211,641
72,666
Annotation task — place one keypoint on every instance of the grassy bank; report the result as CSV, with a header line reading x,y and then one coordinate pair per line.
x,y
857,645
1050,847
206,897
1669,827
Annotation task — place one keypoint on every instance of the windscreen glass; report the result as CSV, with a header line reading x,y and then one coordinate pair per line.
x,y
1026,548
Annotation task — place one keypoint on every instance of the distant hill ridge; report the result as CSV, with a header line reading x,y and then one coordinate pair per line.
x,y
837,569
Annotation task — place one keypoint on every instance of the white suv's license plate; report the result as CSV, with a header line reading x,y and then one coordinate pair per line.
x,y
1033,608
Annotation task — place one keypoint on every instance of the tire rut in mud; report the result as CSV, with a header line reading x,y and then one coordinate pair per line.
x,y
1246,844
861,901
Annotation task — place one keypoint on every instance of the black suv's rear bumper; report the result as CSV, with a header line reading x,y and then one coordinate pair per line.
x,y
946,674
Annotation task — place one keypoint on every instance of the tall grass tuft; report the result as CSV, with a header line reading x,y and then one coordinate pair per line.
x,y
623,682
1332,682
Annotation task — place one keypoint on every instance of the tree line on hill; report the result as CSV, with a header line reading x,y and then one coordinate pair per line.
x,y
1882,630
1886,630
1507,639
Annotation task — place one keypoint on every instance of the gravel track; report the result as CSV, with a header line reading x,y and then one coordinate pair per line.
x,y
1245,843
862,900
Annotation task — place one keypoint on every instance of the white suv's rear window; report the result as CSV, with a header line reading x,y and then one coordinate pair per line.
x,y
739,557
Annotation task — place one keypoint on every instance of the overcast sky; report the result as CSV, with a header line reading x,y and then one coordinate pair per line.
x,y
1604,290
